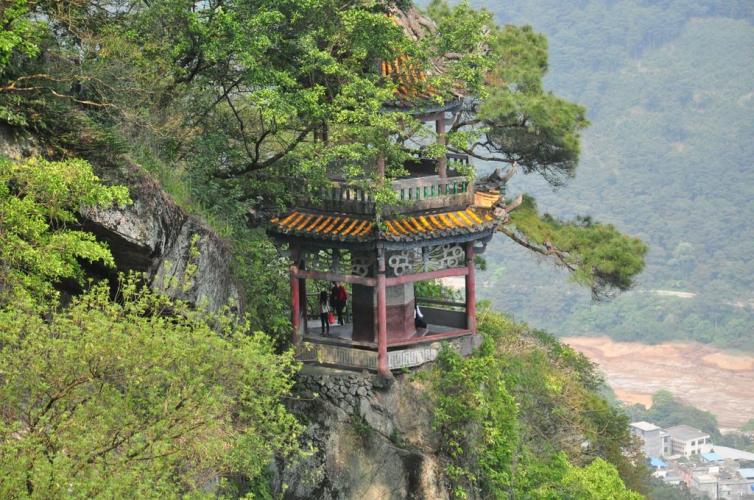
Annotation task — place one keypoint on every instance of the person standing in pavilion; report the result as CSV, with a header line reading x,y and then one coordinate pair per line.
x,y
324,312
338,299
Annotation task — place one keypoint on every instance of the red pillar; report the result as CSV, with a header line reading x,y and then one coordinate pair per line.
x,y
302,302
295,298
295,306
382,365
442,164
470,289
302,305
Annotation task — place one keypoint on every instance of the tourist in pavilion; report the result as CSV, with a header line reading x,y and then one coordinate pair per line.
x,y
338,299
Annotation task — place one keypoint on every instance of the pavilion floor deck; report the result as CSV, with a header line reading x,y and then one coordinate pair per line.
x,y
345,332
340,351
340,336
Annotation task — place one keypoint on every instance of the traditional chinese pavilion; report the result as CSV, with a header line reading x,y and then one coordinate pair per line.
x,y
434,231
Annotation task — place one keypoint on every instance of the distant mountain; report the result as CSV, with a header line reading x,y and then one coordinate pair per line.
x,y
669,156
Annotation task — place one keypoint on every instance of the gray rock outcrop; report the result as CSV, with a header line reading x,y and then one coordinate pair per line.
x,y
367,442
155,235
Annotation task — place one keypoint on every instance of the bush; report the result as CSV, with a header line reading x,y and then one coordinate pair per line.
x,y
521,417
39,245
139,396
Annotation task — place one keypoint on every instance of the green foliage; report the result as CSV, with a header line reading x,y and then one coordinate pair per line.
x,y
132,395
596,481
463,32
737,440
650,318
139,396
526,124
362,428
20,35
236,105
39,244
435,289
522,417
598,255
397,439
517,120
263,272
476,418
748,426
19,40
237,89
660,490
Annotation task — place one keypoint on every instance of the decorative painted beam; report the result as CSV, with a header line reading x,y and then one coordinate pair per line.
x,y
330,276
430,275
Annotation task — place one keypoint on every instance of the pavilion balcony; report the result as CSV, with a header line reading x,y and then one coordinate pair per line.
x,y
447,321
421,190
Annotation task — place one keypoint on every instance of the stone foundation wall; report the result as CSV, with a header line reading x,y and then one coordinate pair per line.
x,y
342,391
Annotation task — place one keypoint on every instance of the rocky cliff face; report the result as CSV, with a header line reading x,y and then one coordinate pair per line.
x,y
368,441
153,235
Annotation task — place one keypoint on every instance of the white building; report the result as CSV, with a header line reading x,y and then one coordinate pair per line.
x,y
649,434
655,441
688,441
665,444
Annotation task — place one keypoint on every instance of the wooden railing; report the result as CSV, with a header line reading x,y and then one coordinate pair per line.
x,y
414,194
424,193
457,158
451,305
443,312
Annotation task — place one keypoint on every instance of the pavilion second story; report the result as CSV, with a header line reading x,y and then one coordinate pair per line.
x,y
422,189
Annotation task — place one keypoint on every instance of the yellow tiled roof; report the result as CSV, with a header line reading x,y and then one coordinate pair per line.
x,y
329,226
409,228
410,79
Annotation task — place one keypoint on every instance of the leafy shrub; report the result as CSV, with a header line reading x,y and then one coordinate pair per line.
x,y
120,394
522,417
139,396
39,245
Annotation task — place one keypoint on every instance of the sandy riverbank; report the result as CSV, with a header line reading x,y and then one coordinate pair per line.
x,y
708,378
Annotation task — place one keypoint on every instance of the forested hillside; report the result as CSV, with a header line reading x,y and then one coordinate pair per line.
x,y
669,91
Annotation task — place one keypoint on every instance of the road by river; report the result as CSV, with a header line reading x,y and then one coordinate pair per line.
x,y
706,377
